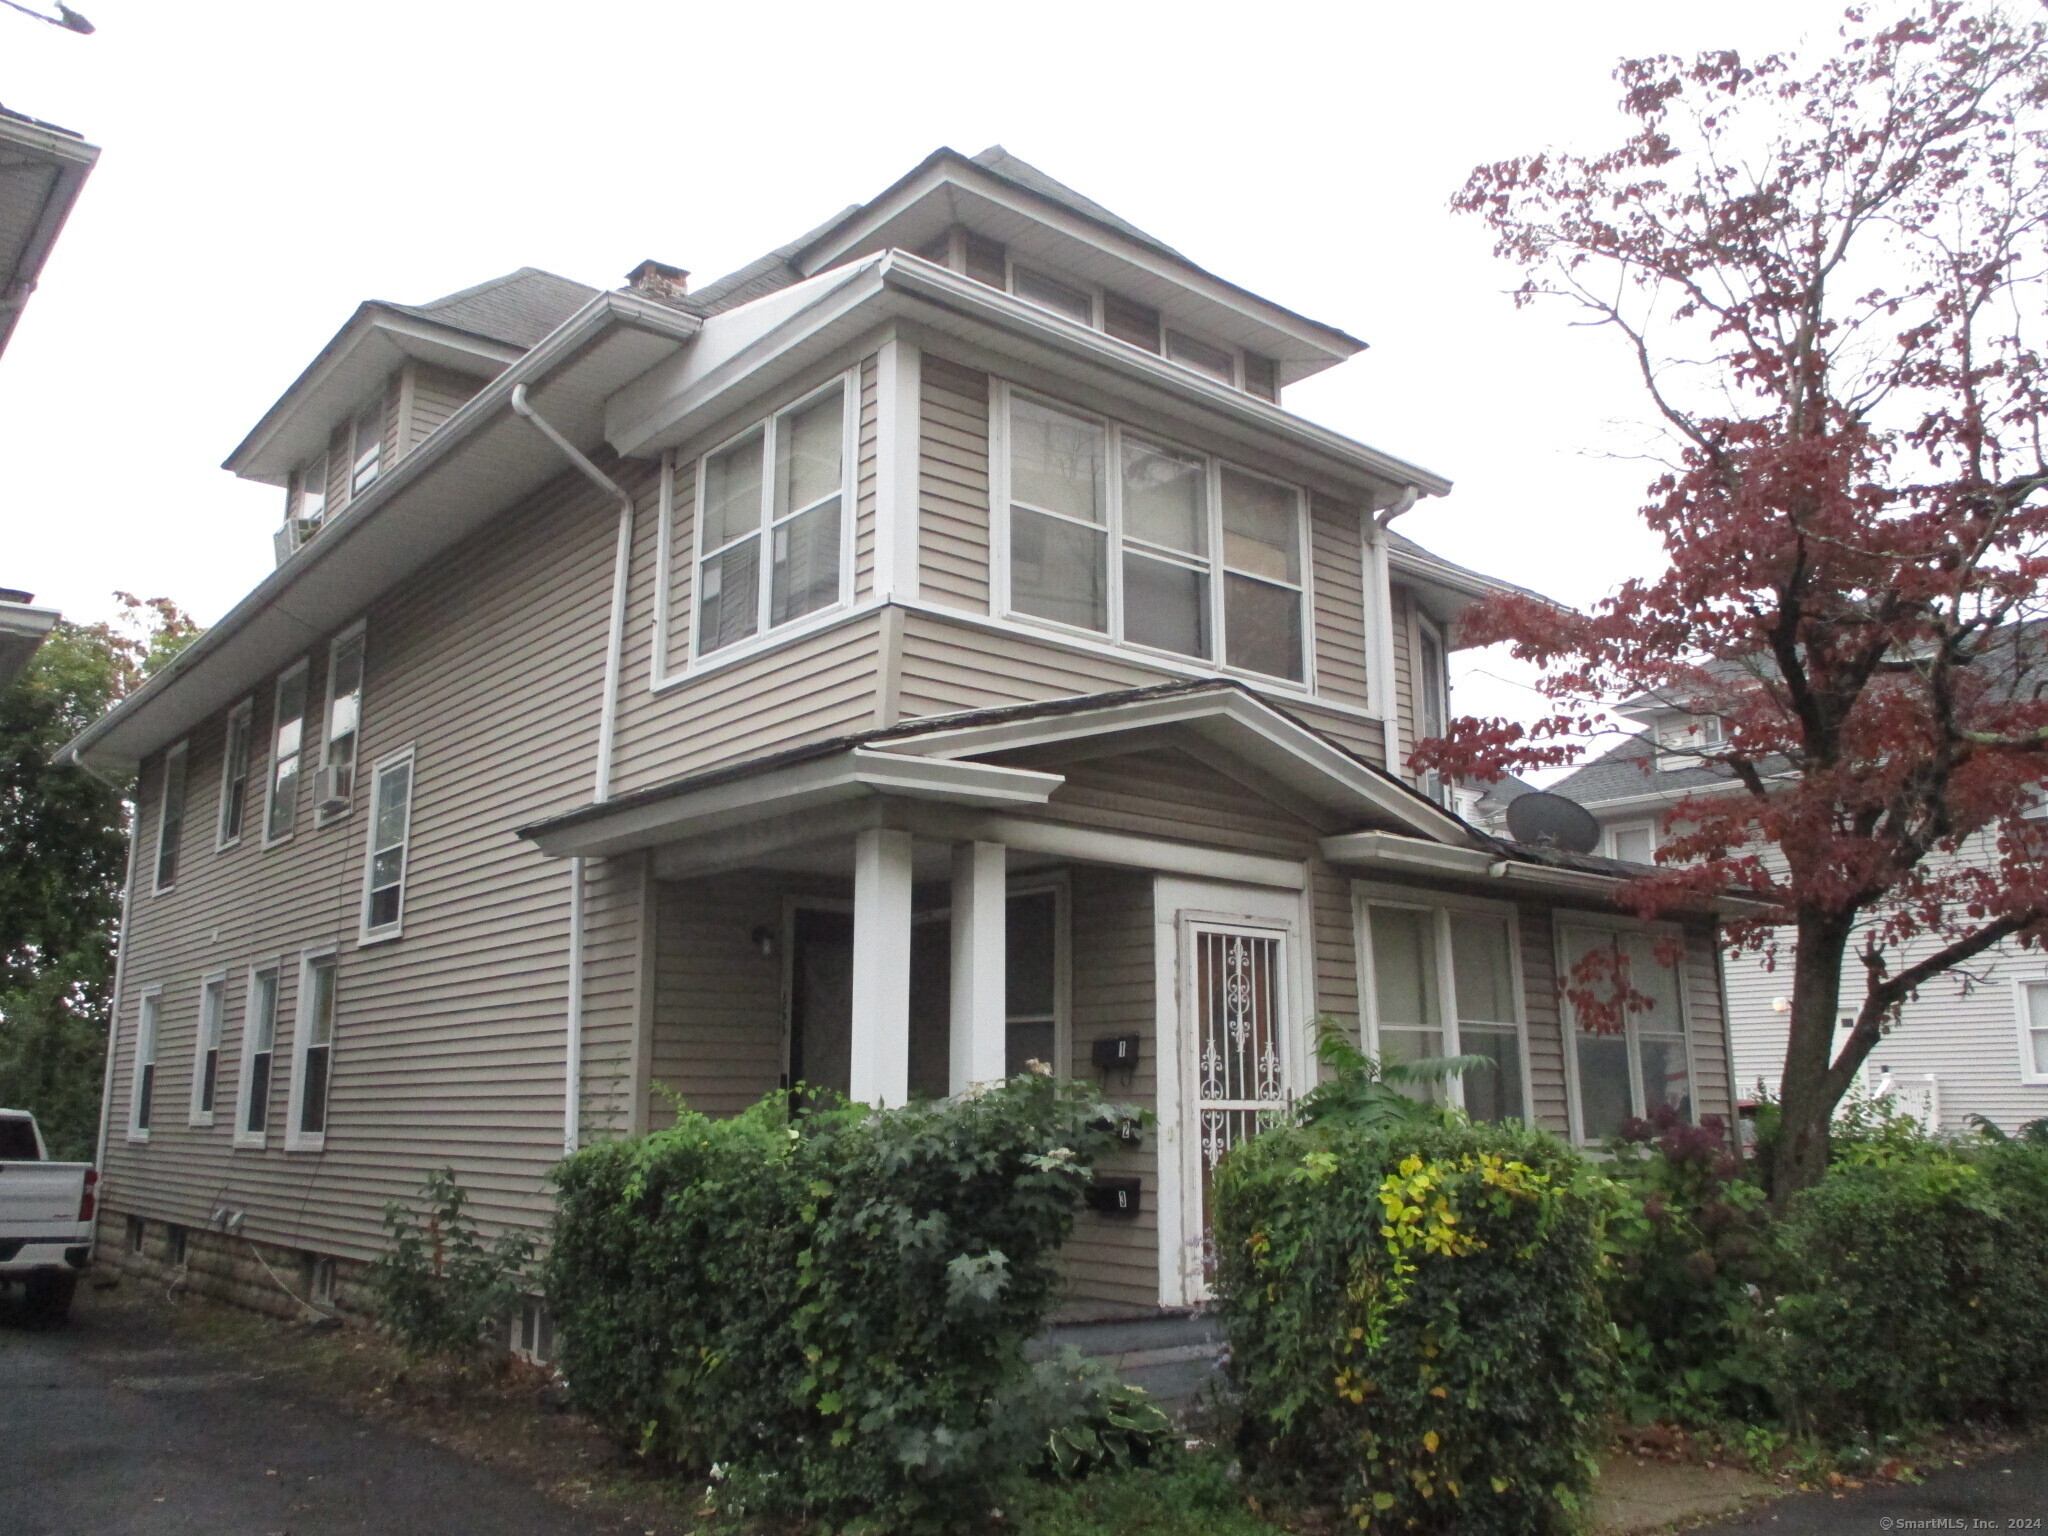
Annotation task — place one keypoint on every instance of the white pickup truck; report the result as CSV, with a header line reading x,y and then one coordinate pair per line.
x,y
46,1212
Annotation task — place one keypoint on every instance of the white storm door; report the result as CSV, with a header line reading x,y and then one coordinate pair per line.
x,y
1241,1036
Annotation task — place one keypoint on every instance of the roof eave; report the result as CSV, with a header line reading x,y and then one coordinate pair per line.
x,y
74,160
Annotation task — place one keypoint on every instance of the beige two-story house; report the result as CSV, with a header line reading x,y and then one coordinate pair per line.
x,y
932,648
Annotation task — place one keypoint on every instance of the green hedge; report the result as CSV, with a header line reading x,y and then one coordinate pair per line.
x,y
1912,1289
1415,1328
826,1309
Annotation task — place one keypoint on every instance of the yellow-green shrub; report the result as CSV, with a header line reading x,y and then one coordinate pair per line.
x,y
1415,1330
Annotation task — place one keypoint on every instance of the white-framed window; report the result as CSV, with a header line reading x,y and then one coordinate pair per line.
x,y
2032,998
259,1056
366,455
344,716
1035,977
390,839
306,497
287,752
213,1012
312,1053
170,823
1642,1063
142,1092
1122,534
1635,841
234,774
774,511
1441,976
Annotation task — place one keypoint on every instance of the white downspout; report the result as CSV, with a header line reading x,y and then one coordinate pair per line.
x,y
114,1004
601,788
1380,658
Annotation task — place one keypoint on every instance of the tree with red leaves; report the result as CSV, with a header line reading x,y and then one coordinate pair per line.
x,y
1830,278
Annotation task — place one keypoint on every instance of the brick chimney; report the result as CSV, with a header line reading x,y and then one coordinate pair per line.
x,y
659,281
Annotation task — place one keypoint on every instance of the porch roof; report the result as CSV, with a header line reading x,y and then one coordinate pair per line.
x,y
932,759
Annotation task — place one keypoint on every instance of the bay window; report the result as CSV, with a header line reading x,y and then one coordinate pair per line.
x,y
772,519
1151,544
1440,981
1638,1060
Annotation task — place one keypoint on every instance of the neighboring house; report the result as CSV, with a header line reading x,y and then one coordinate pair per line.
x,y
42,169
929,649
23,627
1961,1048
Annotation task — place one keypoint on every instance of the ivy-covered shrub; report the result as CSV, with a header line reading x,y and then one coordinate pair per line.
x,y
825,1307
442,1288
1912,1283
1415,1326
1688,1254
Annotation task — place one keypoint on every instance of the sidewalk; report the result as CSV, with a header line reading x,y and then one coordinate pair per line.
x,y
1639,1495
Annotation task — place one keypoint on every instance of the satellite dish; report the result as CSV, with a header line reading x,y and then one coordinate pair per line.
x,y
1553,821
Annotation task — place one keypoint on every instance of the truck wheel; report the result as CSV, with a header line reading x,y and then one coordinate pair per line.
x,y
49,1297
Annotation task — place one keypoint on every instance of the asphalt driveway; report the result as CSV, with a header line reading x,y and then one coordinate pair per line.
x,y
2001,1493
108,1429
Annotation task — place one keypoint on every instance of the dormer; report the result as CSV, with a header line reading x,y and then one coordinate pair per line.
x,y
389,377
1007,224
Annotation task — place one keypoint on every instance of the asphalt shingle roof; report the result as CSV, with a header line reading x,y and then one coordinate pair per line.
x,y
518,309
1626,771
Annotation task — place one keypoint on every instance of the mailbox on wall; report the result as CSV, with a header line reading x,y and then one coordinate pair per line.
x,y
1115,1196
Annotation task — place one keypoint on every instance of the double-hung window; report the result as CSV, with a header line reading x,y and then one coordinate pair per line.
x,y
1033,945
259,1051
1636,842
234,774
1150,544
2033,1000
149,1013
772,515
390,837
313,1042
287,748
366,459
170,825
308,494
1432,698
1636,1060
213,1009
1441,982
344,711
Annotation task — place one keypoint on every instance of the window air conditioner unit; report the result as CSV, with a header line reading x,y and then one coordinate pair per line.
x,y
292,535
332,796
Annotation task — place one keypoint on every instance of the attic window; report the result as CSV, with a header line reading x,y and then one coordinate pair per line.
x,y
1128,320
1193,352
1689,733
1050,293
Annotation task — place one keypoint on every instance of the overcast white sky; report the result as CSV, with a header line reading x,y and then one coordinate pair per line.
x,y
267,166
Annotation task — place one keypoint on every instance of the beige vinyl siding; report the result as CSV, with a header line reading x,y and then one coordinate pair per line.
x,y
949,666
1113,1262
1337,580
952,500
718,1006
448,1045
436,394
1402,601
1550,1106
1366,738
864,483
1707,1026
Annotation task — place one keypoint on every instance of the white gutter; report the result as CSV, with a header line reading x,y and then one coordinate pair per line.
x,y
601,790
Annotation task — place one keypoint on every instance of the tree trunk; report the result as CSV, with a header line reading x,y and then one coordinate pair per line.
x,y
1798,1158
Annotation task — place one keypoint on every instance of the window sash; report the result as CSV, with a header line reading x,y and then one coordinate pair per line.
x,y
1616,1075
170,826
213,1001
314,1029
234,776
344,707
367,460
759,507
1428,997
259,1048
309,492
148,1017
2034,994
389,846
287,744
1113,562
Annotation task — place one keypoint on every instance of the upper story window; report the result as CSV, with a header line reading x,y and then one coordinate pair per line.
x,y
287,748
1432,699
234,773
307,496
366,460
1690,733
344,721
170,826
987,261
1154,545
772,520
1636,842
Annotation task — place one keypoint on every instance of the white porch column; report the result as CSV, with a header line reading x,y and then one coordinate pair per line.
x,y
980,963
880,1069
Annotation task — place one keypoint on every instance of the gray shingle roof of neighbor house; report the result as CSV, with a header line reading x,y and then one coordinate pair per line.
x,y
517,309
1624,772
